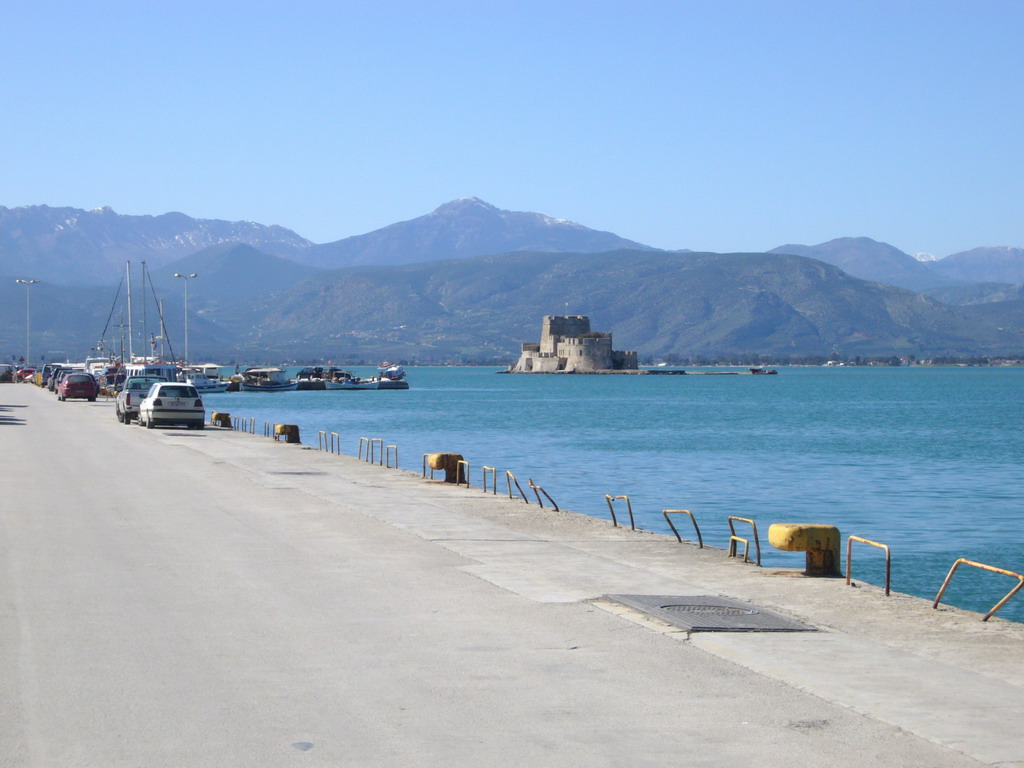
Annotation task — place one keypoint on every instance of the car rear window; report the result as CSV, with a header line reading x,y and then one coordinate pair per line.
x,y
79,378
178,392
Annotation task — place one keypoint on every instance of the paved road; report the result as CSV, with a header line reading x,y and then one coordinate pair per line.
x,y
176,598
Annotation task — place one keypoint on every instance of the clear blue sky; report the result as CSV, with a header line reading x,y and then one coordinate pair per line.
x,y
707,125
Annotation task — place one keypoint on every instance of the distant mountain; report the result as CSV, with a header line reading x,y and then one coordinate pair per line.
x,y
72,246
871,260
978,293
1000,264
66,320
233,271
464,228
656,303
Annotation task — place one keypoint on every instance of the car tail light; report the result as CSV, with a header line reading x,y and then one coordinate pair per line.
x,y
157,402
198,403
128,399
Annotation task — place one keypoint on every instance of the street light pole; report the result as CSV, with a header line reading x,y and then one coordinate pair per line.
x,y
28,317
186,278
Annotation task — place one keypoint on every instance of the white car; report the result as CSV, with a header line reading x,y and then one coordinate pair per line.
x,y
168,402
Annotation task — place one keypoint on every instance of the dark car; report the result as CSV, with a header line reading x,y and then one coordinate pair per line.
x,y
60,373
48,371
51,378
78,385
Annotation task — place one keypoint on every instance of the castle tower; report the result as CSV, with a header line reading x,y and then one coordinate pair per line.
x,y
556,328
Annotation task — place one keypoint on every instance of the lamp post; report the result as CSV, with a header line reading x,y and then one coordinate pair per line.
x,y
28,317
186,278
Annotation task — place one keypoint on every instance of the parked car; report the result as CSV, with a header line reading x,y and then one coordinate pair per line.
x,y
172,403
7,373
51,380
131,394
47,372
59,376
78,385
26,373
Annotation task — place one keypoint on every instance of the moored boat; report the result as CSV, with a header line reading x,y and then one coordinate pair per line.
x,y
204,384
389,377
265,380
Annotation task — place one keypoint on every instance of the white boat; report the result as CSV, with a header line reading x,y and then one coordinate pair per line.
x,y
204,384
212,370
165,371
390,377
265,380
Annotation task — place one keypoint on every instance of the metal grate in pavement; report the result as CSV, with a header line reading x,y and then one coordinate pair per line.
x,y
707,613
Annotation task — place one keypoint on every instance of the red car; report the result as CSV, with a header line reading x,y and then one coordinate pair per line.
x,y
79,385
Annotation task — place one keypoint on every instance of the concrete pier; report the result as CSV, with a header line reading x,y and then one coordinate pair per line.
x,y
215,598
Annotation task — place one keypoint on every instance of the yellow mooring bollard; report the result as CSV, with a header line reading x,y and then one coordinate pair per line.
x,y
449,462
289,431
820,542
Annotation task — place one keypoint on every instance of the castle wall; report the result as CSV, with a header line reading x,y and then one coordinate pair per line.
x,y
625,360
587,353
558,327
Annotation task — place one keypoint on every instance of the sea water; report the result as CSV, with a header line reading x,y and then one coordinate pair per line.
x,y
927,460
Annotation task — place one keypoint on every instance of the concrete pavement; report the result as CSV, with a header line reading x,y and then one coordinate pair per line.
x,y
213,598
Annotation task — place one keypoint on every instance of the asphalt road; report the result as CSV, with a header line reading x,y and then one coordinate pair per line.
x,y
177,598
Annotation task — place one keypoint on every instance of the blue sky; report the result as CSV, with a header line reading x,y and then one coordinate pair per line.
x,y
723,126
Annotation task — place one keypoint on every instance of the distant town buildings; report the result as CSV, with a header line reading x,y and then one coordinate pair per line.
x,y
567,345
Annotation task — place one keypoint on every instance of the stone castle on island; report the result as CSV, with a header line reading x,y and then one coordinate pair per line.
x,y
567,345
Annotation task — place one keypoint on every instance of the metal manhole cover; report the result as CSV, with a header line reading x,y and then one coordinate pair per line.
x,y
707,613
721,610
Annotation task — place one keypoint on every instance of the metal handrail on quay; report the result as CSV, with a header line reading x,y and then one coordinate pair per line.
x,y
629,507
733,539
494,479
509,479
666,512
849,558
538,490
370,455
984,567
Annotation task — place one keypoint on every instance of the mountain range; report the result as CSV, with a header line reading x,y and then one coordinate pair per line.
x,y
471,281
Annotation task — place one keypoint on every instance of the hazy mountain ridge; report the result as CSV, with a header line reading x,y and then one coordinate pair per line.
x,y
872,260
233,271
483,306
989,264
657,303
978,293
71,246
464,228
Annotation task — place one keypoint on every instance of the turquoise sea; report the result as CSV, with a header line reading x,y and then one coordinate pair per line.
x,y
927,460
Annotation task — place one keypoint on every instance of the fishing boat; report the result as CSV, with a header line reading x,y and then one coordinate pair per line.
x,y
265,380
388,377
204,384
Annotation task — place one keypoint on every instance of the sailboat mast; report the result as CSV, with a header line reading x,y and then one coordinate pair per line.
x,y
131,353
144,336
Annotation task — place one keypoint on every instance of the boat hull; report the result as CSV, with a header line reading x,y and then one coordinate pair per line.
x,y
286,387
367,384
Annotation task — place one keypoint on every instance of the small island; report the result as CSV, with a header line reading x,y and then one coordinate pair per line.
x,y
567,345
